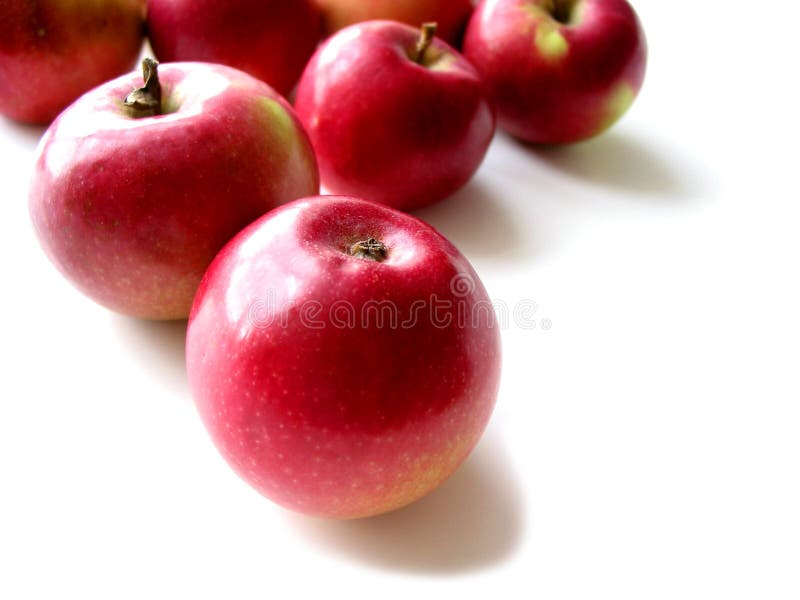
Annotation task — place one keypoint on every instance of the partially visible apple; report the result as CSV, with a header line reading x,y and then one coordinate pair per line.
x,y
560,71
394,115
270,39
451,15
343,356
133,193
52,51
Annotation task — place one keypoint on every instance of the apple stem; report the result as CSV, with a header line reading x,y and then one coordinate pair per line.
x,y
370,249
426,35
146,101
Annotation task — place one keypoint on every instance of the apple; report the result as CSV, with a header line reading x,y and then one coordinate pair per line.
x,y
451,15
395,115
52,51
134,192
560,71
270,39
343,356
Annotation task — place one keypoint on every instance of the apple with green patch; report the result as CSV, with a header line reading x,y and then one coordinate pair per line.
x,y
134,192
560,71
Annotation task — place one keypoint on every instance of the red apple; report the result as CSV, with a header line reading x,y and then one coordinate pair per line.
x,y
451,15
132,205
270,39
343,355
394,116
560,71
52,51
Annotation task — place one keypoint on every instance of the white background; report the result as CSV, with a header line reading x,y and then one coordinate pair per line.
x,y
646,446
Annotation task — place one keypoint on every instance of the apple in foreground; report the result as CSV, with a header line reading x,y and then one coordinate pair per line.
x,y
395,115
343,355
270,39
451,15
560,71
134,193
52,51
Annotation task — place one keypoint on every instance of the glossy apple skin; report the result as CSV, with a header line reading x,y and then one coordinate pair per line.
x,y
270,39
52,51
450,15
331,417
554,83
387,128
132,210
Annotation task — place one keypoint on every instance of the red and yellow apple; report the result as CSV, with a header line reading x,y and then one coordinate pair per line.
x,y
344,356
559,71
451,15
133,193
52,51
270,39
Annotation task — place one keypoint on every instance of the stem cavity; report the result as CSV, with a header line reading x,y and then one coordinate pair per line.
x,y
561,10
370,249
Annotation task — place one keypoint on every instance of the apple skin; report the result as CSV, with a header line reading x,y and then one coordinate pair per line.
x,y
52,51
556,83
387,128
132,210
330,418
270,39
450,15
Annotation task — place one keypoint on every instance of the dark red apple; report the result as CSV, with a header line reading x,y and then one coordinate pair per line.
x,y
394,115
343,355
131,199
560,71
52,51
451,15
270,39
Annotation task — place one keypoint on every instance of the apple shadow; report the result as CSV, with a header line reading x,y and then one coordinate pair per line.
x,y
477,223
472,521
24,134
159,346
616,160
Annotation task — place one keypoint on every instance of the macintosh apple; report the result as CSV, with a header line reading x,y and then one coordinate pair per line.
x,y
134,192
395,115
343,356
270,39
451,15
52,51
559,71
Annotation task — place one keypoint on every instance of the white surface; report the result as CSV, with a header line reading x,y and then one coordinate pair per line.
x,y
646,446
